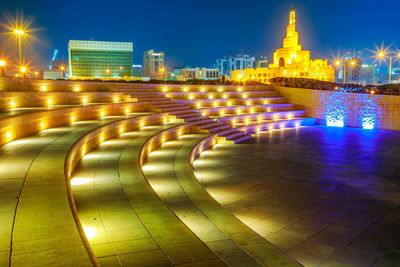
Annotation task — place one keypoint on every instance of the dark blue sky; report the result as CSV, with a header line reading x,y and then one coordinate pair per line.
x,y
196,33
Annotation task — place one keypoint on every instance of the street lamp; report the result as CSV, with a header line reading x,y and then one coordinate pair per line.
x,y
19,34
36,74
3,67
23,71
108,72
382,55
62,68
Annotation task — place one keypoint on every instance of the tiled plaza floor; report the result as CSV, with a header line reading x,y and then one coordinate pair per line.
x,y
325,196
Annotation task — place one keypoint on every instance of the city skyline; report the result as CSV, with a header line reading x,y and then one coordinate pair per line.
x,y
187,39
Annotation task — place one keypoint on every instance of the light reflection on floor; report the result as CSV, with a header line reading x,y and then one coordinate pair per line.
x,y
321,194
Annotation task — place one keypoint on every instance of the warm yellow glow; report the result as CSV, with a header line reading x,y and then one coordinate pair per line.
x,y
215,103
76,89
12,104
198,105
251,110
381,54
353,62
121,130
203,89
259,118
165,89
101,138
102,114
221,112
220,90
247,120
290,116
229,103
78,181
271,127
9,136
72,118
49,101
190,96
43,88
210,96
268,109
203,114
149,149
18,31
141,124
84,100
265,102
2,63
244,96
165,120
83,152
179,133
62,68
297,124
233,121
23,69
276,117
42,125
240,89
225,96
115,98
248,103
89,232
162,140
337,62
127,110
185,89
238,111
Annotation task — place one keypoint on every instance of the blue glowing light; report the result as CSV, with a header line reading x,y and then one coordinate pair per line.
x,y
368,114
336,110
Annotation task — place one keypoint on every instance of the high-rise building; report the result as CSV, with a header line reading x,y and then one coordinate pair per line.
x,y
94,59
289,61
153,64
227,64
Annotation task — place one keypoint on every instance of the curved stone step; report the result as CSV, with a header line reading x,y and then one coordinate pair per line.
x,y
44,230
132,225
178,188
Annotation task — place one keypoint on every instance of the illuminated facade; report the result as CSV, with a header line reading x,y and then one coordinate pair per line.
x,y
289,61
94,59
153,64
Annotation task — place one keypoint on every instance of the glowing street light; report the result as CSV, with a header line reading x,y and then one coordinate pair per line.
x,y
382,54
3,67
23,71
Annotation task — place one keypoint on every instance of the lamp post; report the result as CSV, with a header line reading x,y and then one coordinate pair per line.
x,y
383,54
345,63
108,72
3,67
19,34
23,71
36,74
62,68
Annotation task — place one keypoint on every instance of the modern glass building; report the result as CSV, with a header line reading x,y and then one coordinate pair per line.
x,y
94,59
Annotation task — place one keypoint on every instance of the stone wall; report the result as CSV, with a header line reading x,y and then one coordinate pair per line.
x,y
354,106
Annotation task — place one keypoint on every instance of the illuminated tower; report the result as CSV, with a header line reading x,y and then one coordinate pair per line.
x,y
289,61
291,51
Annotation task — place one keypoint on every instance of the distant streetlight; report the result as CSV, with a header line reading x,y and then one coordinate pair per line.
x,y
23,71
19,34
36,74
3,67
352,63
108,72
383,55
62,68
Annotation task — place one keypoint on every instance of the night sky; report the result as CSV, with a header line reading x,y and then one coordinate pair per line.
x,y
196,33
